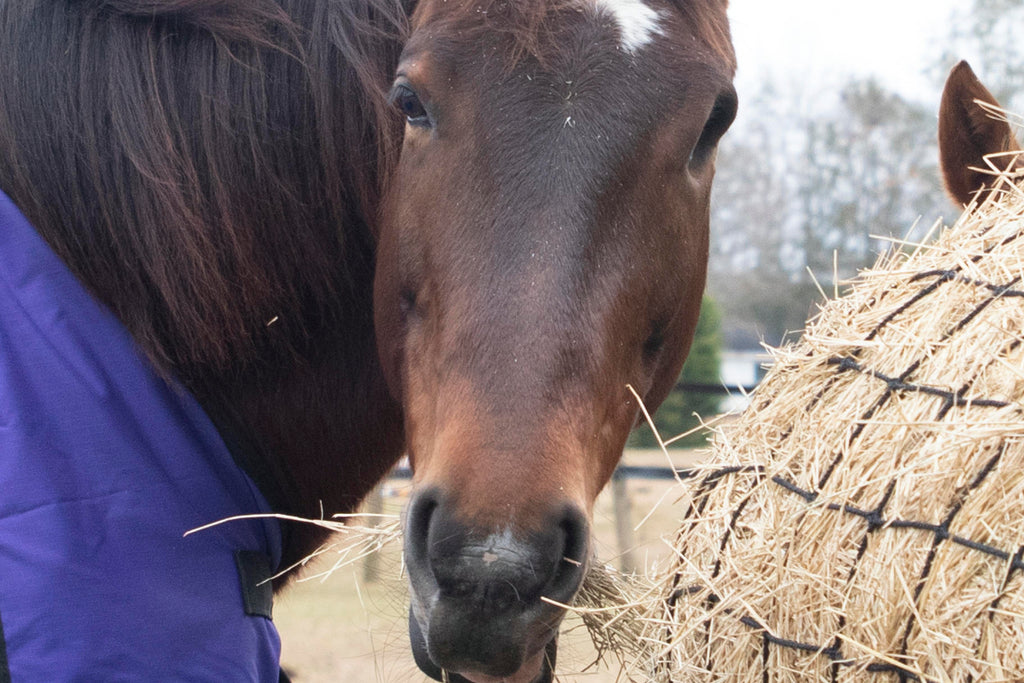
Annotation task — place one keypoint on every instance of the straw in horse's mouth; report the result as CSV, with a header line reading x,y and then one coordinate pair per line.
x,y
608,602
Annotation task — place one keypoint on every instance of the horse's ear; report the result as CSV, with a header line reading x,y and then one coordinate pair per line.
x,y
967,133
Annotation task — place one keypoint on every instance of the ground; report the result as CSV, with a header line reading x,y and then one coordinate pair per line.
x,y
352,627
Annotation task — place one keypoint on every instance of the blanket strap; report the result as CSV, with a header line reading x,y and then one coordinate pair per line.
x,y
254,571
5,669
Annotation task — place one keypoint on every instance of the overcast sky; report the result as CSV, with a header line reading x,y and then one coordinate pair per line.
x,y
822,42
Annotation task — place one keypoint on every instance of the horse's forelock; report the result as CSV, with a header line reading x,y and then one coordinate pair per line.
x,y
710,22
527,23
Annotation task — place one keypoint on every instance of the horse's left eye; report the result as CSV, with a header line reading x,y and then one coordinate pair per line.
x,y
408,102
721,117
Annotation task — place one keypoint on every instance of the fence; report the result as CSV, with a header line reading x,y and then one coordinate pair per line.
x,y
618,486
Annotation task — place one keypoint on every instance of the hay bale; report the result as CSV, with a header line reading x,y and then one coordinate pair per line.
x,y
864,520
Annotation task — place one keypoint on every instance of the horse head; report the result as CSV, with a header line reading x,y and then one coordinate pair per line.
x,y
542,248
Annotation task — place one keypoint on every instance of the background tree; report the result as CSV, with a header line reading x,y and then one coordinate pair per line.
x,y
806,194
990,34
677,413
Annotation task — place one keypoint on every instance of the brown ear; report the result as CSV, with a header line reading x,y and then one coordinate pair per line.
x,y
967,133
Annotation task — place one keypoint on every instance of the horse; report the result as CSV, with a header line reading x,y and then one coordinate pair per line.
x,y
974,145
334,232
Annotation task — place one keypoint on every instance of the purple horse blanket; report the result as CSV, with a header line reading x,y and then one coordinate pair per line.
x,y
103,468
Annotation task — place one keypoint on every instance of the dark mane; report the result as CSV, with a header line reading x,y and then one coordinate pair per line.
x,y
176,175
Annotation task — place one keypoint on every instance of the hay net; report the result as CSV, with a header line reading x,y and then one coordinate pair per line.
x,y
864,519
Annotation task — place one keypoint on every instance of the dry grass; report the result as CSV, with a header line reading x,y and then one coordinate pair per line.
x,y
864,519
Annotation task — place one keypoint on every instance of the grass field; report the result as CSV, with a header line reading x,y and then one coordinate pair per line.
x,y
351,627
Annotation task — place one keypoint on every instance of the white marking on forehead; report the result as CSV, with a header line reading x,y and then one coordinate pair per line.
x,y
638,23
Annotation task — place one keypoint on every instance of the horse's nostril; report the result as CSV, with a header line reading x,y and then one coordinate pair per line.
x,y
577,534
420,511
417,527
569,572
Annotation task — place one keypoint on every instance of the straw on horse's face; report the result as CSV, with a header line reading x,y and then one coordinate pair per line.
x,y
543,245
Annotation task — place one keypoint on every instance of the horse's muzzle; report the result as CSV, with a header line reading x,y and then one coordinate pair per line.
x,y
477,610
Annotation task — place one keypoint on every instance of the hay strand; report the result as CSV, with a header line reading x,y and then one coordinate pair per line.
x,y
609,602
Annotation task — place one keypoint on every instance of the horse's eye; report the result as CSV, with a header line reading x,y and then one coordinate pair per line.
x,y
655,341
408,102
721,117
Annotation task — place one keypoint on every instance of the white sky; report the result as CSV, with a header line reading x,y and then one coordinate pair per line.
x,y
821,42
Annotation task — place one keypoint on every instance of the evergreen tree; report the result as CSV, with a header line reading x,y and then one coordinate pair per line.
x,y
676,414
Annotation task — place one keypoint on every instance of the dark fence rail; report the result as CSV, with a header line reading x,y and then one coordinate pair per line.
x,y
721,389
621,472
654,472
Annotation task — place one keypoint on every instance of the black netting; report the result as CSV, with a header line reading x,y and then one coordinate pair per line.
x,y
875,519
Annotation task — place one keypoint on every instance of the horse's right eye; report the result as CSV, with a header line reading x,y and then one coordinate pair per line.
x,y
408,102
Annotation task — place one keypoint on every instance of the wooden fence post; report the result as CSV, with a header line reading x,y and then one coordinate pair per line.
x,y
623,522
374,506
